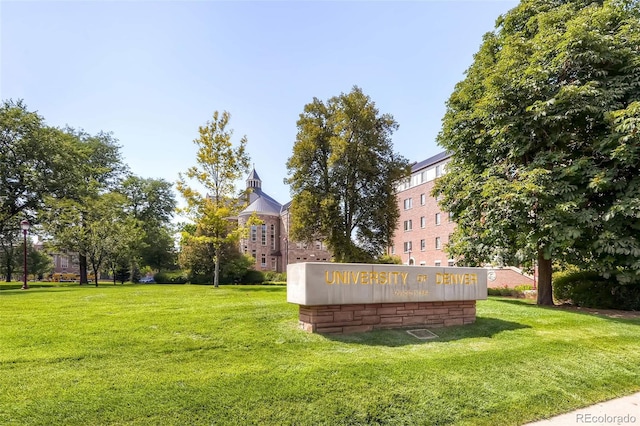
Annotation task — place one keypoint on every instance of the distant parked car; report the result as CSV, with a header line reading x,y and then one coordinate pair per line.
x,y
147,280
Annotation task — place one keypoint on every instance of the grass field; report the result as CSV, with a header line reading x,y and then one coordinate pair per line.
x,y
162,355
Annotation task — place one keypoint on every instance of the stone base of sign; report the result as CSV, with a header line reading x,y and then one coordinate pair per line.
x,y
372,316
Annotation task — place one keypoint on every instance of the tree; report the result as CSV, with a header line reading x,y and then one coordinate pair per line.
x,y
219,166
544,138
97,170
36,161
152,203
343,173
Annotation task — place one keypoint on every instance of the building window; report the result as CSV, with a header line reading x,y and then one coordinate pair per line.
x,y
393,249
423,222
437,218
253,254
451,262
407,246
437,263
439,170
263,260
438,243
423,263
423,245
273,263
273,237
64,262
408,203
408,225
254,233
264,235
423,199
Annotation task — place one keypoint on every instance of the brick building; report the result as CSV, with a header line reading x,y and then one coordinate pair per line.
x,y
424,229
269,242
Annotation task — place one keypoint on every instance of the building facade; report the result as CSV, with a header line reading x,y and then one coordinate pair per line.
x,y
423,229
269,243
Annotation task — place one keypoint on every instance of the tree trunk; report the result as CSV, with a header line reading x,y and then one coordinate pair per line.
x,y
95,275
545,290
82,263
216,268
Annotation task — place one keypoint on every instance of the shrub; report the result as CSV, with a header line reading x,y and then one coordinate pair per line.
x,y
275,277
253,277
589,289
171,277
517,291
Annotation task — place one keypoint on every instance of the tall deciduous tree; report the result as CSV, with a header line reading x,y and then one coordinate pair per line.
x,y
343,173
36,161
544,133
219,166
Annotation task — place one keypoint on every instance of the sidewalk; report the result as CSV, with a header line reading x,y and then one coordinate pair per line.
x,y
623,411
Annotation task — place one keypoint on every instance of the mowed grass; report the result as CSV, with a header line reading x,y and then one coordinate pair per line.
x,y
162,355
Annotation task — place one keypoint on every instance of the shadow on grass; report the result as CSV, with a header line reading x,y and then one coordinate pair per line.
x,y
483,327
625,317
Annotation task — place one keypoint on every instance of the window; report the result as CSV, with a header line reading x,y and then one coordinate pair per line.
x,y
254,233
423,263
273,237
423,222
408,225
437,218
253,254
423,199
437,263
64,262
264,235
393,249
450,216
438,243
423,245
439,170
408,203
273,263
263,260
451,262
407,246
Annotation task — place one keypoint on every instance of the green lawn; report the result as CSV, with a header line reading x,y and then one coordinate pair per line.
x,y
162,354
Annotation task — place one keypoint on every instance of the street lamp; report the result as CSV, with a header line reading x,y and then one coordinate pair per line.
x,y
25,227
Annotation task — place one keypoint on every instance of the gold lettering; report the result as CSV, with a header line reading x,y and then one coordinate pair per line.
x,y
364,278
404,278
382,278
326,277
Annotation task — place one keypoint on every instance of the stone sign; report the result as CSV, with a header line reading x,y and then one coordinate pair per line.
x,y
348,283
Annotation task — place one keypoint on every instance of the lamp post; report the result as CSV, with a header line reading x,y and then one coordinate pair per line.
x,y
25,227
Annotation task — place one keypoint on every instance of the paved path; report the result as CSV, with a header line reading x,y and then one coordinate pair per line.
x,y
623,411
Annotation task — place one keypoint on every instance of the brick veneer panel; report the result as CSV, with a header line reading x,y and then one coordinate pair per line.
x,y
368,317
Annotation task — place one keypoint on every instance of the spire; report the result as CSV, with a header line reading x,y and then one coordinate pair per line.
x,y
253,181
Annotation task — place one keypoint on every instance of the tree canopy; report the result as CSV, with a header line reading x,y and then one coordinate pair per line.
x,y
342,175
219,166
545,141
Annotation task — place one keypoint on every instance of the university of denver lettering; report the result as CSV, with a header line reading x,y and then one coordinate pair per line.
x,y
317,286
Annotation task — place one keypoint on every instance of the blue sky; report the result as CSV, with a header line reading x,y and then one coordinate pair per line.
x,y
151,72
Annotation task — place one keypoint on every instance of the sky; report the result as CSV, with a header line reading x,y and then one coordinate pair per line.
x,y
152,72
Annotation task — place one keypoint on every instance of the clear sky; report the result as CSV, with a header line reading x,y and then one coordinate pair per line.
x,y
151,72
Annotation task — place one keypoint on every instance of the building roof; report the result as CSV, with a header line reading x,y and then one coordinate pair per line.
x,y
430,161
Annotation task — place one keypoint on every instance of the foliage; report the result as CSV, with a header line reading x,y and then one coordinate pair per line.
x,y
151,202
219,166
143,355
275,277
517,291
591,290
252,277
171,277
343,173
389,259
544,138
122,273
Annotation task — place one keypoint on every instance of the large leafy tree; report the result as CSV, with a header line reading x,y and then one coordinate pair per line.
x,y
98,170
152,202
343,173
219,166
36,161
544,133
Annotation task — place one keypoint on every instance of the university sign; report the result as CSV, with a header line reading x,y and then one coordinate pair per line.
x,y
312,284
